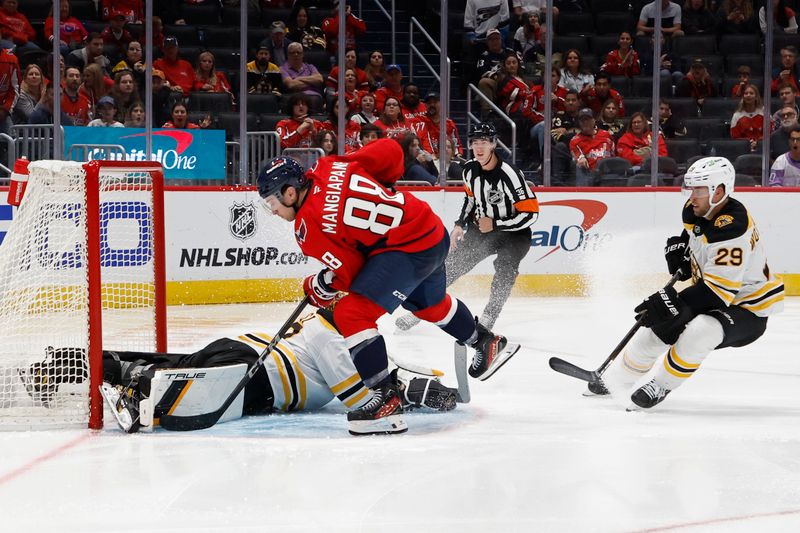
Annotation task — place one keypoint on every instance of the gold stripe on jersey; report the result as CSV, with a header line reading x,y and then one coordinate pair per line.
x,y
772,293
677,366
349,382
300,378
287,391
357,398
327,324
723,283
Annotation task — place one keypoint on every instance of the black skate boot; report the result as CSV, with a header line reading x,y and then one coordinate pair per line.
x,y
383,414
419,391
491,352
124,404
649,395
59,366
596,388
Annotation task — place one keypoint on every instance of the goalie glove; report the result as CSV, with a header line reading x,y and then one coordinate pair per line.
x,y
676,256
318,288
662,307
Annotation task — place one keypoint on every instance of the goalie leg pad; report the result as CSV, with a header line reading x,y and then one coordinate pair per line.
x,y
419,391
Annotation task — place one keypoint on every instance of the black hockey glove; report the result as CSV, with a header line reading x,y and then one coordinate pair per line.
x,y
662,307
677,258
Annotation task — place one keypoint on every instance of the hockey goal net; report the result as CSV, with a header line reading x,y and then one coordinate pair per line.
x,y
81,271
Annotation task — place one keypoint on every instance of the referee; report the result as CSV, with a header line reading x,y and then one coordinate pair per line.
x,y
499,209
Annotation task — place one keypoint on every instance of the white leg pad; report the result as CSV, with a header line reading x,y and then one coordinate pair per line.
x,y
699,339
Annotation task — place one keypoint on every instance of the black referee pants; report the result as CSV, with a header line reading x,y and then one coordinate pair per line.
x,y
510,246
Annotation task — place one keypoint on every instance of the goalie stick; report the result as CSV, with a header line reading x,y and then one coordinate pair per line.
x,y
567,368
206,420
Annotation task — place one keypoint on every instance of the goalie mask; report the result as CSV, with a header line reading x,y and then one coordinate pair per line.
x,y
711,172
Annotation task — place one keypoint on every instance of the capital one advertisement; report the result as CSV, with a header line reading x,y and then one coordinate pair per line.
x,y
185,154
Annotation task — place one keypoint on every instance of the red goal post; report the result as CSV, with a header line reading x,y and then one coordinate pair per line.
x,y
81,271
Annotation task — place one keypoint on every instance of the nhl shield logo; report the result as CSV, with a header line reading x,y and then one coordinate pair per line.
x,y
495,196
243,220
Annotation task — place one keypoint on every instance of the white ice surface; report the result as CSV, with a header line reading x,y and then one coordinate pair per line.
x,y
529,454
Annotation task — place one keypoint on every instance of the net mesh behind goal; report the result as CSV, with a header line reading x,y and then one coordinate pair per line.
x,y
78,274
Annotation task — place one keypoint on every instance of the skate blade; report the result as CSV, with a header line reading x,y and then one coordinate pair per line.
x,y
589,394
383,426
501,359
633,408
111,396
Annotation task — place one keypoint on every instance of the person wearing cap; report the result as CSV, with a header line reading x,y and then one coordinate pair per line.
x,y
179,72
277,43
115,33
488,65
353,27
697,83
106,108
91,53
743,74
163,98
429,136
589,146
392,86
263,76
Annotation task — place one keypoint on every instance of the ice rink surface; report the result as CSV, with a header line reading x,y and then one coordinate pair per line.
x,y
528,454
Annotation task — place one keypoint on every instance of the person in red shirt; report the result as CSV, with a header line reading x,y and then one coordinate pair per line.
x,y
208,79
180,119
514,95
332,81
9,88
133,10
352,96
635,145
15,27
594,96
75,105
625,60
179,72
430,131
589,146
352,130
298,130
72,33
392,86
353,27
392,121
412,107
748,119
385,249
115,33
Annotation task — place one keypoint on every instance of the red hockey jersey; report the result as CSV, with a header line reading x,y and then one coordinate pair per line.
x,y
746,125
348,216
630,142
291,138
593,147
9,80
595,102
351,132
617,65
429,136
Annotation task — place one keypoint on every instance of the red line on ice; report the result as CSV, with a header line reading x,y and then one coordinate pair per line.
x,y
42,458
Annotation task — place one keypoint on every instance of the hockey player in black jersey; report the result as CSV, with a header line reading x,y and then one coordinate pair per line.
x,y
499,208
728,303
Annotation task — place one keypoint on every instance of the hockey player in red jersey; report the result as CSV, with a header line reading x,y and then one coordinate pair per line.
x,y
385,249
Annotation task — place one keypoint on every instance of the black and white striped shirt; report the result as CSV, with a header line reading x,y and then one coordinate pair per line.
x,y
501,194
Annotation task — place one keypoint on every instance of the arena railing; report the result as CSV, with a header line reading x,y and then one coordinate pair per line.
x,y
473,92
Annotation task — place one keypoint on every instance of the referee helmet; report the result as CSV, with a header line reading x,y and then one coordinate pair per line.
x,y
482,130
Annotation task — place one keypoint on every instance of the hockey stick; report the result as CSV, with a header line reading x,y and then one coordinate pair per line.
x,y
567,368
191,423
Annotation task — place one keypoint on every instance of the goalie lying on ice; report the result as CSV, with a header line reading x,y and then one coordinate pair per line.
x,y
307,369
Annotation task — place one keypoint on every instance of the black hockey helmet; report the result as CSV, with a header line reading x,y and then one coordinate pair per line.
x,y
279,173
482,130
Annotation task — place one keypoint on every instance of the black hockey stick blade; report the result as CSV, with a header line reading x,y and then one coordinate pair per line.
x,y
206,420
567,368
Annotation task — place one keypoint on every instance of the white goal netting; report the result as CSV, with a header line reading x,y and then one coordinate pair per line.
x,y
47,321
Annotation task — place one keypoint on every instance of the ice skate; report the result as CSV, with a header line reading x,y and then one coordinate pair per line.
x,y
422,391
648,395
596,388
491,352
383,414
124,405
407,321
